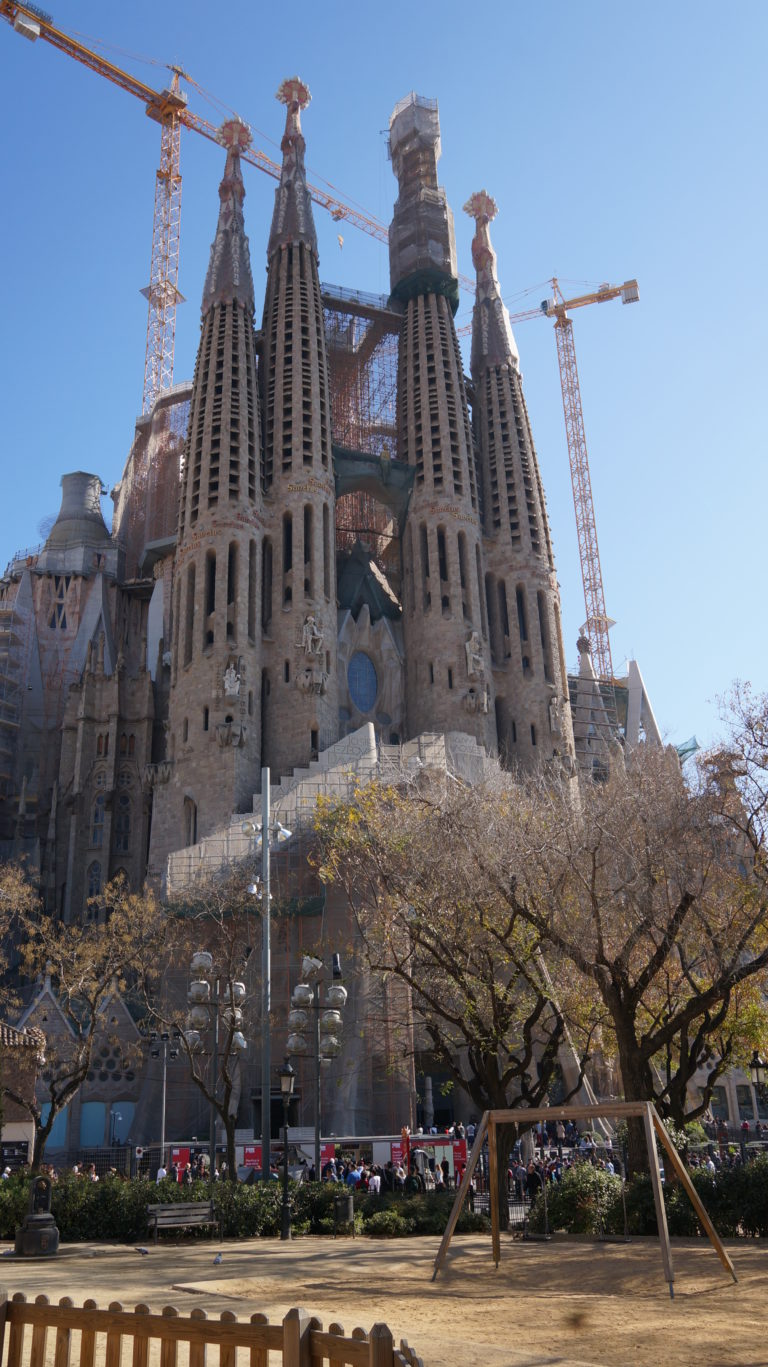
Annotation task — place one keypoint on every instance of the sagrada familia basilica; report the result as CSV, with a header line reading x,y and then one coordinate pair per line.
x,y
329,551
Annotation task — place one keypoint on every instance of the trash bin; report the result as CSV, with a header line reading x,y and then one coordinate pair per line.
x,y
343,1213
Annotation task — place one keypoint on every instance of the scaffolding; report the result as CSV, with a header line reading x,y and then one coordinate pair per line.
x,y
362,339
146,510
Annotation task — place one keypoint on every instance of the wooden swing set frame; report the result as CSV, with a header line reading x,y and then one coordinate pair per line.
x,y
618,1110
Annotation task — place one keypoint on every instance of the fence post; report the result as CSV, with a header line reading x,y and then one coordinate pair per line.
x,y
380,1350
3,1315
297,1327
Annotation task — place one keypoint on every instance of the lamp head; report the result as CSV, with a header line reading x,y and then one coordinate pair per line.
x,y
311,967
287,1077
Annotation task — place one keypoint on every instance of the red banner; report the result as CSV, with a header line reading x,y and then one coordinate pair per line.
x,y
252,1156
180,1157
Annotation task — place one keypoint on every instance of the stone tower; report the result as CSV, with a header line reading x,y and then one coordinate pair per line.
x,y
523,603
298,605
214,741
448,675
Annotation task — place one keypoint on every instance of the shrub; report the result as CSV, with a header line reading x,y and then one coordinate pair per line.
x,y
582,1202
389,1224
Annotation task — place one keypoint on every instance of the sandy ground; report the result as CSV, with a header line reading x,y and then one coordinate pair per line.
x,y
563,1303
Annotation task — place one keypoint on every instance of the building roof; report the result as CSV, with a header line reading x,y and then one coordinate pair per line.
x,y
11,1038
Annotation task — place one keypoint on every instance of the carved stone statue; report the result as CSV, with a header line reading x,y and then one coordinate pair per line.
x,y
311,636
231,733
231,681
476,700
554,716
312,680
474,653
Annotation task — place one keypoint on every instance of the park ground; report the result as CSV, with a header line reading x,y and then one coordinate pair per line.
x,y
559,1304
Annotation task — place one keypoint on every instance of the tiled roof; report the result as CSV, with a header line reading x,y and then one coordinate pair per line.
x,y
30,1038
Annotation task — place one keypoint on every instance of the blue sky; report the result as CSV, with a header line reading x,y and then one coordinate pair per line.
x,y
618,141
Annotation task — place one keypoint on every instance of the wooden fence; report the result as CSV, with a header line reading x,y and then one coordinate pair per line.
x,y
88,1337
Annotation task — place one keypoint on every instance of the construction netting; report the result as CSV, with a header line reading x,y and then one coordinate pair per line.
x,y
146,512
362,338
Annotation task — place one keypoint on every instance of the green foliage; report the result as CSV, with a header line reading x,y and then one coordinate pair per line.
x,y
581,1203
389,1224
588,1201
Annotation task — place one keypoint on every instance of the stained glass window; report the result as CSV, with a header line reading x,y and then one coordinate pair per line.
x,y
362,681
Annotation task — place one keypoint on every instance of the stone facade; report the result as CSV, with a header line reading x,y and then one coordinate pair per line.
x,y
150,675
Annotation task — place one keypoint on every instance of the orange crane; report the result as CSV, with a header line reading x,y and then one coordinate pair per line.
x,y
169,108
598,623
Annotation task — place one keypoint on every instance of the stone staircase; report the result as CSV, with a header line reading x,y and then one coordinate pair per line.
x,y
336,773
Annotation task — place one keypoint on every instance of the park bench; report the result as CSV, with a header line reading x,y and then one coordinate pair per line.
x,y
179,1214
86,1335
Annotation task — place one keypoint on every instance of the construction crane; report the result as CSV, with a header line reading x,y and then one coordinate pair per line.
x,y
598,623
169,109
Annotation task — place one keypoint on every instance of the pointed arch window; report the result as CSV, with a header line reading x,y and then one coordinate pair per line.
x,y
190,821
58,616
94,879
123,824
97,822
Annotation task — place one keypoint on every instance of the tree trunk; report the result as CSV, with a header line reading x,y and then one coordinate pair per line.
x,y
638,1086
42,1133
230,1121
506,1137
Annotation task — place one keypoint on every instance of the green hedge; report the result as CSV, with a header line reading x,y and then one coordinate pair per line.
x,y
112,1209
588,1201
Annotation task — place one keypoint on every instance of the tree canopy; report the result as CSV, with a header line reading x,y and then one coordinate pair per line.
x,y
524,913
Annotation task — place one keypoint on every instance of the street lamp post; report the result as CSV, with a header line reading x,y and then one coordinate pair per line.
x,y
114,1116
278,834
205,997
173,1054
327,1026
287,1082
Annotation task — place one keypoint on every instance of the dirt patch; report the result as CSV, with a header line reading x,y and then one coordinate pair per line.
x,y
546,1303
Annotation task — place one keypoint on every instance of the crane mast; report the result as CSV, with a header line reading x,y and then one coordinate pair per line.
x,y
169,109
598,623
162,292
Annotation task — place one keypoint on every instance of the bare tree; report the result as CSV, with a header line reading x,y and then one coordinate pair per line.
x,y
654,892
430,918
85,965
215,915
